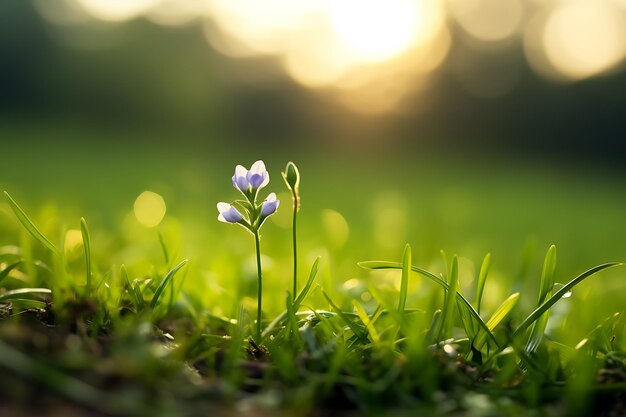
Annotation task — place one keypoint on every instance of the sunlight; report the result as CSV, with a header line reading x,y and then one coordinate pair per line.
x,y
371,54
584,38
488,20
375,30
261,27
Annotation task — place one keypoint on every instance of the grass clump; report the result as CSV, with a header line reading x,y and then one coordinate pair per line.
x,y
118,340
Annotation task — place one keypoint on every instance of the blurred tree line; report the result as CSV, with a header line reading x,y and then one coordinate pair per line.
x,y
143,76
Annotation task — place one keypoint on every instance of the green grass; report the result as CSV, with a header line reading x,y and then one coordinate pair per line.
x,y
129,320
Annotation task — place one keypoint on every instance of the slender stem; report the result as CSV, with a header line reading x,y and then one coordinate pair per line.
x,y
295,253
259,285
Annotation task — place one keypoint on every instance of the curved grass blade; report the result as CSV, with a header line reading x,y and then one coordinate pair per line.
x,y
293,321
26,303
482,279
166,279
29,225
434,324
355,329
559,294
447,315
467,321
547,284
303,293
20,291
404,283
367,321
6,271
434,278
84,230
496,318
505,308
547,274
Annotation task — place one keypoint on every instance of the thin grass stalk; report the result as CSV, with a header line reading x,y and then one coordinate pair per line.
x,y
259,285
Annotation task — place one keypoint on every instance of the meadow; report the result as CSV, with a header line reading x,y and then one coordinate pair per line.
x,y
459,283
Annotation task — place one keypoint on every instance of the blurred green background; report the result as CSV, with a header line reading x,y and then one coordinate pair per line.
x,y
473,127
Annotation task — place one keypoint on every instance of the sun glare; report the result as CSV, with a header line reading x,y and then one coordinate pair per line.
x,y
488,20
375,30
373,53
584,37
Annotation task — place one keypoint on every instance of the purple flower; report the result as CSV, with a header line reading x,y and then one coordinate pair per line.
x,y
228,213
258,177
270,205
240,179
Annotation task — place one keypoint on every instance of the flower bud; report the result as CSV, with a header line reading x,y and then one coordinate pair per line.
x,y
291,175
270,205
228,213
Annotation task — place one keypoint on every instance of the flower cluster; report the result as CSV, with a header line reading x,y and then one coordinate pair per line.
x,y
249,182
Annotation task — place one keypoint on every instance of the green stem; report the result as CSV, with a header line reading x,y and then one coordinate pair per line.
x,y
259,285
295,253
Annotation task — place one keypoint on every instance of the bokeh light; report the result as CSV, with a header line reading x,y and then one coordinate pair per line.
x,y
488,20
73,243
371,54
336,228
376,30
584,38
149,209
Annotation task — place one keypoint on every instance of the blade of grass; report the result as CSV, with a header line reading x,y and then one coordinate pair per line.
x,y
496,318
84,230
466,319
447,315
20,291
501,312
559,294
547,283
353,326
166,279
434,324
26,303
482,279
166,255
404,283
434,278
6,271
369,323
29,225
303,293
292,319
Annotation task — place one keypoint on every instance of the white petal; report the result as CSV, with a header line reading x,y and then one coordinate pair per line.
x,y
240,171
258,167
223,207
